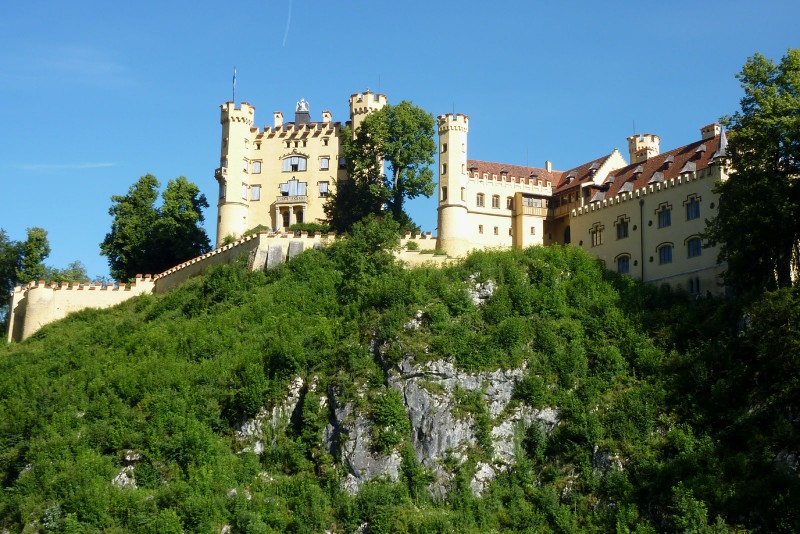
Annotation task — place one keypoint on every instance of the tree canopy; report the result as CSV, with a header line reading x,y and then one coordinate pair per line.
x,y
149,239
397,139
758,224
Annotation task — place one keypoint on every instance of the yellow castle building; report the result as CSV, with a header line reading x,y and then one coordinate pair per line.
x,y
280,175
644,219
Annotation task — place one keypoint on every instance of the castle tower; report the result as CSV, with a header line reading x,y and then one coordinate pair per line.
x,y
362,104
232,174
453,236
642,147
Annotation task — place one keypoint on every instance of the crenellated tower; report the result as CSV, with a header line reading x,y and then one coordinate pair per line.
x,y
232,174
643,147
362,104
452,232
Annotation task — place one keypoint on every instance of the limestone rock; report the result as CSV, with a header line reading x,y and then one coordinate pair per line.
x,y
125,478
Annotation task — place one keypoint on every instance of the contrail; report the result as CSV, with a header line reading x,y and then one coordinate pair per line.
x,y
288,21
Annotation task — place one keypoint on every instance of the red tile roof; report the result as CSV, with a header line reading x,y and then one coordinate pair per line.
x,y
655,164
522,173
580,175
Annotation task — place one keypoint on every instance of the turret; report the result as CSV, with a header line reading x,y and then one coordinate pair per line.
x,y
642,147
453,233
362,104
233,172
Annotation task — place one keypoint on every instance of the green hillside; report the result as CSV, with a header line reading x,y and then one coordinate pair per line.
x,y
674,415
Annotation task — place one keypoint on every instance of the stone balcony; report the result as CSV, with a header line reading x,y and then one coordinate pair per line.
x,y
221,173
292,199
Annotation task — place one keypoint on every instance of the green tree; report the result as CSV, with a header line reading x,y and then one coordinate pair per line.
x,y
130,239
178,235
74,272
147,239
8,263
397,139
31,254
758,223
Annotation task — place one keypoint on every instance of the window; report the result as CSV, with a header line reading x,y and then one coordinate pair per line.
x,y
444,148
463,193
342,163
224,163
245,163
444,193
510,202
479,200
694,285
285,216
299,216
244,191
496,230
695,247
256,167
692,209
324,141
324,164
293,188
222,189
624,264
294,164
255,192
480,228
533,230
444,168
323,189
664,217
665,254
622,228
596,235
495,201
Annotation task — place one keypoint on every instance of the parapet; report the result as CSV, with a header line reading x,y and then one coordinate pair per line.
x,y
453,122
643,146
366,102
230,113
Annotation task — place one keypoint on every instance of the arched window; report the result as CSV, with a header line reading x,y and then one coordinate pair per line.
x,y
694,246
665,253
285,215
623,264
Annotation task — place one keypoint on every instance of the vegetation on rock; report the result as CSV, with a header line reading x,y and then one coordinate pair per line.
x,y
675,415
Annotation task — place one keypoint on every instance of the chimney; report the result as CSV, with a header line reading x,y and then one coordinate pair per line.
x,y
710,131
301,114
326,116
278,119
548,165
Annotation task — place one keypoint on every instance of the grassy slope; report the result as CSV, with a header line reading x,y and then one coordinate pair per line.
x,y
638,374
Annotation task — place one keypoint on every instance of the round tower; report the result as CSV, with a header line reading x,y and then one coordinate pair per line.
x,y
232,174
362,104
453,232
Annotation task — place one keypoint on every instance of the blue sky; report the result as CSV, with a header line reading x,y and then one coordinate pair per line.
x,y
96,94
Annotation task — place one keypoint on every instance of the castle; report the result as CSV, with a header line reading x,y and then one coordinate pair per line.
x,y
643,219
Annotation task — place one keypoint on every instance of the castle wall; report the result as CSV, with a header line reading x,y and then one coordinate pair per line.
x,y
39,303
644,240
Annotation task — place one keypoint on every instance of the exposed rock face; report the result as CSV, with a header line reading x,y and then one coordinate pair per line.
x,y
267,423
125,478
349,436
440,432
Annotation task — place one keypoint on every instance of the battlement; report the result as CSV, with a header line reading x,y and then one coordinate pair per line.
x,y
230,113
450,122
643,146
366,102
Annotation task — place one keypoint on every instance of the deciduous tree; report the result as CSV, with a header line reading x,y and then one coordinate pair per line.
x,y
758,223
147,239
388,161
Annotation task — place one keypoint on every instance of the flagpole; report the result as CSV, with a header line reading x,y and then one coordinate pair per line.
x,y
234,85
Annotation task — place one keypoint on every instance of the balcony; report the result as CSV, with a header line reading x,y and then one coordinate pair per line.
x,y
221,173
294,199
